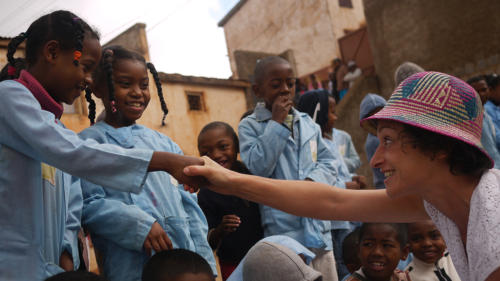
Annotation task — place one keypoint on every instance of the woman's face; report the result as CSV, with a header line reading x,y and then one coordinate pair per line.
x,y
406,169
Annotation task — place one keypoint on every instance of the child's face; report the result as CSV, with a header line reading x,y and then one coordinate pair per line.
x,y
332,117
219,145
426,242
278,81
71,80
482,89
380,251
131,83
193,277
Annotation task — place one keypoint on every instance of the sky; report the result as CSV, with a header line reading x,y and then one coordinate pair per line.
x,y
183,35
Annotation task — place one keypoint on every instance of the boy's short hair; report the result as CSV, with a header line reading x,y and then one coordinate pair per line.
x,y
262,65
476,79
167,265
76,276
401,231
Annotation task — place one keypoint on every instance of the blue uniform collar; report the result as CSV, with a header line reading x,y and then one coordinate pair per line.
x,y
123,136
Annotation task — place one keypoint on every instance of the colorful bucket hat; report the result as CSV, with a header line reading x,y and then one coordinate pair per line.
x,y
436,102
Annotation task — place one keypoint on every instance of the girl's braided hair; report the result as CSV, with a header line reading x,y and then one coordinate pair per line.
x,y
63,26
111,55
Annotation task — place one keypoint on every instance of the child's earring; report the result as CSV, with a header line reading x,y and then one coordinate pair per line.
x,y
113,106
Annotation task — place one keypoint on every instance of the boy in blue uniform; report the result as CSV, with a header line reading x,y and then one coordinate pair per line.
x,y
280,142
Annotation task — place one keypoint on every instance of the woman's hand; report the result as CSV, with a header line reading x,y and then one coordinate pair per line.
x,y
219,178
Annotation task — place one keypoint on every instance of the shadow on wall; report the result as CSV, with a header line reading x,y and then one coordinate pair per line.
x,y
348,113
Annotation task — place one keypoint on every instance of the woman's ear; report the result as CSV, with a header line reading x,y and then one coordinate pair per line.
x,y
441,155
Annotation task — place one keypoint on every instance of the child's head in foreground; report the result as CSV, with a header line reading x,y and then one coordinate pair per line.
x,y
273,79
219,141
177,265
381,247
121,81
61,51
76,276
425,241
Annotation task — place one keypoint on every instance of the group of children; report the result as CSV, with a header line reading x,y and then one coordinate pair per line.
x,y
123,181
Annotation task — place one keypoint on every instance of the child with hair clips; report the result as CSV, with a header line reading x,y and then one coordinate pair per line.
x,y
434,165
234,223
126,228
280,142
61,52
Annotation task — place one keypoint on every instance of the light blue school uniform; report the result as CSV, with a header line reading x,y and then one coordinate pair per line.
x,y
270,150
494,112
30,136
488,136
347,149
62,209
371,145
119,222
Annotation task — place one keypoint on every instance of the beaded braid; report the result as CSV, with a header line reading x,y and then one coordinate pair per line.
x,y
164,108
108,68
88,97
11,50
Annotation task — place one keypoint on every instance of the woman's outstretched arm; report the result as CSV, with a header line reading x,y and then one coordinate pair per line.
x,y
311,199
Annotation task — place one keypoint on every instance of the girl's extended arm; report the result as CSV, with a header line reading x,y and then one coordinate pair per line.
x,y
310,199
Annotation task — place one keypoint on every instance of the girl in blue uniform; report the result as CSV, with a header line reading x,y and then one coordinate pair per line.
x,y
61,52
127,227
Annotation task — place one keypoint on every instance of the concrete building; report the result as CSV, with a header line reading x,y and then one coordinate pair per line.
x,y
308,30
192,101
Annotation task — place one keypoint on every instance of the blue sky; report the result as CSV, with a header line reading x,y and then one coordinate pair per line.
x,y
182,34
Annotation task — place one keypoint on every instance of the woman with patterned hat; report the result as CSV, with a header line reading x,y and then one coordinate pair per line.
x,y
434,165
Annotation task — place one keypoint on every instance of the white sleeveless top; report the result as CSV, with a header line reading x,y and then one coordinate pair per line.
x,y
482,256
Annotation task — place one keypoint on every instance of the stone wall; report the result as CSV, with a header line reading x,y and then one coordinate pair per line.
x,y
457,37
310,28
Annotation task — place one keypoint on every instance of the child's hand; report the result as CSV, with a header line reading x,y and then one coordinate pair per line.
x,y
66,261
361,180
352,185
281,107
229,224
157,240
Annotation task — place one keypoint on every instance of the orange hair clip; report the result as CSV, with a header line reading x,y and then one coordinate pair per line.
x,y
77,55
